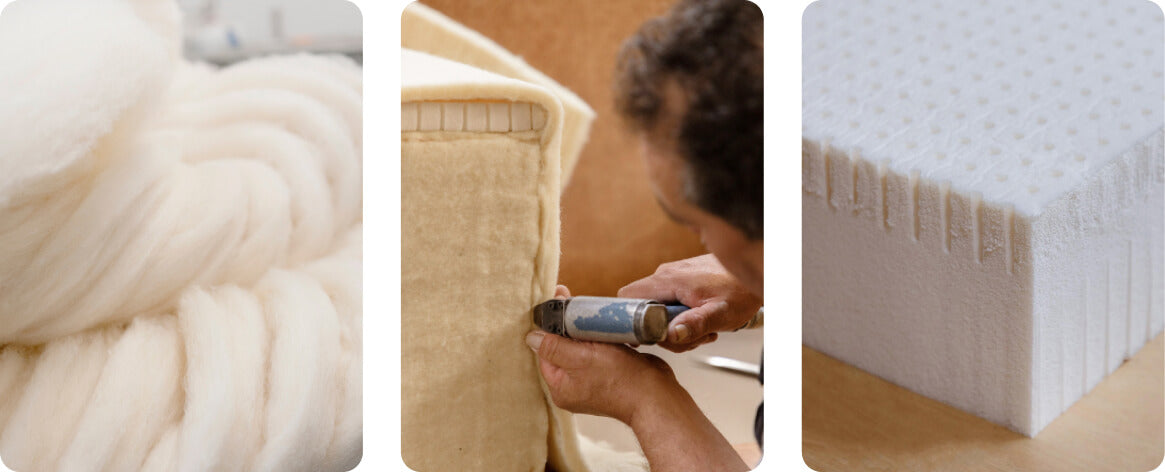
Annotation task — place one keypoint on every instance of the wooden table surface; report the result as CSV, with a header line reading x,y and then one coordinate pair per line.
x,y
853,421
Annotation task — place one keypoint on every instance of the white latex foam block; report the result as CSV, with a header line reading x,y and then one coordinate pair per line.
x,y
982,206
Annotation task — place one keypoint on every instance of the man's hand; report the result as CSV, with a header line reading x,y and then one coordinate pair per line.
x,y
637,389
717,300
599,378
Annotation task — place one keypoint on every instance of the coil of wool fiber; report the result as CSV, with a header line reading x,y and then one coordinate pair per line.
x,y
180,249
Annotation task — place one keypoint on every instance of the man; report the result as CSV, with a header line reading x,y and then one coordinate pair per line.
x,y
690,84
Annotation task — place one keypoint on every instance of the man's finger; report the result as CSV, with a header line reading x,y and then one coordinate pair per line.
x,y
560,351
561,292
696,323
649,287
691,344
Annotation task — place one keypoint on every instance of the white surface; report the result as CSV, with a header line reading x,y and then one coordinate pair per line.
x,y
982,209
226,31
1098,281
253,20
1021,101
732,365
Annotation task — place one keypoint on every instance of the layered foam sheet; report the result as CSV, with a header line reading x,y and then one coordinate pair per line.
x,y
982,195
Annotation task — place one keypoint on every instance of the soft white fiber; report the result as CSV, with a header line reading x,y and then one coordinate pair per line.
x,y
180,249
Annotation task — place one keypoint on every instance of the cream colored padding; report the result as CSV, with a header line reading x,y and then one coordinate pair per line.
x,y
427,30
180,249
602,457
480,248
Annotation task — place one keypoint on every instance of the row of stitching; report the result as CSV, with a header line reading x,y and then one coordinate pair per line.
x,y
547,230
478,116
528,137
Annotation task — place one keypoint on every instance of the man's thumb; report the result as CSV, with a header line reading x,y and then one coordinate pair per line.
x,y
560,351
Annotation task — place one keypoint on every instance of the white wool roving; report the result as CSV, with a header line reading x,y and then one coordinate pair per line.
x,y
180,249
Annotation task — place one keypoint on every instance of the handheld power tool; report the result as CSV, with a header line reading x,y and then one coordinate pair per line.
x,y
611,320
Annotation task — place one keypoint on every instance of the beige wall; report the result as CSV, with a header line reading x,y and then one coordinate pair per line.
x,y
612,230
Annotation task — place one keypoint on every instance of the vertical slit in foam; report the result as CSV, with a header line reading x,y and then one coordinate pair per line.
x,y
816,157
1129,303
977,226
464,117
1107,311
913,183
1084,343
1149,293
882,168
1008,234
828,173
1037,395
1063,369
945,191
853,172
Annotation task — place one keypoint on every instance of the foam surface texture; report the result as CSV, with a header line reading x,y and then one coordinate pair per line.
x,y
982,209
180,285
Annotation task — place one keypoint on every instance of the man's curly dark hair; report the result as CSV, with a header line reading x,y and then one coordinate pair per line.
x,y
713,50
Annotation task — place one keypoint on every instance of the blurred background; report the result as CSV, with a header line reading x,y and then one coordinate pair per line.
x,y
222,31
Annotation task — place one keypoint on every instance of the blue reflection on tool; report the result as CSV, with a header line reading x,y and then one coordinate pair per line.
x,y
613,318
